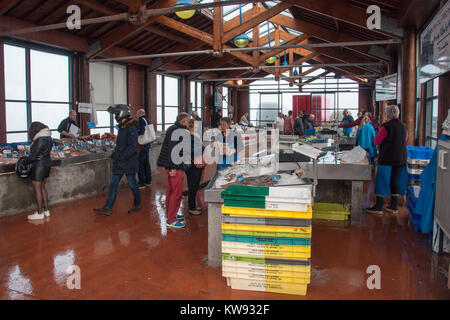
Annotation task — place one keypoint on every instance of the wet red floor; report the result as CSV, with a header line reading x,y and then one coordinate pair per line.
x,y
134,257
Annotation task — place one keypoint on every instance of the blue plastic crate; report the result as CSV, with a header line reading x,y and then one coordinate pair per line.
x,y
310,132
423,153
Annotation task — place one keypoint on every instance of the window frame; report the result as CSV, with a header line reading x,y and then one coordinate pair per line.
x,y
163,102
28,46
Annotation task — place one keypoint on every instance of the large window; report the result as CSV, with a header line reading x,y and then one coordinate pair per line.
x,y
196,97
109,83
168,101
37,88
431,112
326,95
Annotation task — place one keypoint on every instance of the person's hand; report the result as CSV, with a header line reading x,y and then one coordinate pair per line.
x,y
173,173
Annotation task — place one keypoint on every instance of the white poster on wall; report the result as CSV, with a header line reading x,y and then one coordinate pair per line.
x,y
435,46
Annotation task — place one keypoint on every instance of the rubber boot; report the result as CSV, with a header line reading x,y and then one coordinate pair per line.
x,y
378,207
393,208
401,201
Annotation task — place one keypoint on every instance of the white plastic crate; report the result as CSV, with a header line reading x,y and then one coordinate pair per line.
x,y
297,192
418,161
415,171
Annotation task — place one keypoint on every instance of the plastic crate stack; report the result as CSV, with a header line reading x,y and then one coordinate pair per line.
x,y
266,238
418,159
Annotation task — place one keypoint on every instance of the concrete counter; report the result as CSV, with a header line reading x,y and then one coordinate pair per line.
x,y
70,179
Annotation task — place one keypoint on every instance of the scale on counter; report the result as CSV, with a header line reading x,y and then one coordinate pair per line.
x,y
314,154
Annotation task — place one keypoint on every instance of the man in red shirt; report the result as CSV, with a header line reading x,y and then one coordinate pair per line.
x,y
289,123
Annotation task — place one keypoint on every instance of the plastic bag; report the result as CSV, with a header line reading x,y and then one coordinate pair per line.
x,y
355,155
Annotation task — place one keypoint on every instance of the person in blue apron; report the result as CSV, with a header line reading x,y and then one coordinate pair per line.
x,y
228,136
346,120
365,136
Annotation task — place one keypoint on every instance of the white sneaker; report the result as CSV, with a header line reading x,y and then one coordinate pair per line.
x,y
36,216
47,213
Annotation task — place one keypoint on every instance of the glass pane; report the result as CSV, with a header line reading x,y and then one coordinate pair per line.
x,y
103,119
16,116
171,92
199,95
120,84
100,76
269,101
158,89
159,127
49,77
348,100
436,87
434,120
49,114
16,137
159,114
55,134
170,115
193,94
15,79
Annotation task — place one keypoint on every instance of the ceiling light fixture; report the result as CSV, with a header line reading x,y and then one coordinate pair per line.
x,y
185,14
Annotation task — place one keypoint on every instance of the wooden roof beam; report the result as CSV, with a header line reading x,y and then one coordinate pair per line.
x,y
124,31
344,11
6,5
328,35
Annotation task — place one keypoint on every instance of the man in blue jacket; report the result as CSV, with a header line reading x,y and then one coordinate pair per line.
x,y
145,173
125,159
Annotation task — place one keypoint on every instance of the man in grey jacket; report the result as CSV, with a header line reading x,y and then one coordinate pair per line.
x,y
298,124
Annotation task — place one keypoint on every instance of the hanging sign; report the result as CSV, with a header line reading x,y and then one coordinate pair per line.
x,y
386,88
435,46
85,107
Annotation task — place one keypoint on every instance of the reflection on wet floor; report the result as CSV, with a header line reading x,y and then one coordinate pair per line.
x,y
136,257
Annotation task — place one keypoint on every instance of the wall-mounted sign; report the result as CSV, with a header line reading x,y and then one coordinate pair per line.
x,y
386,88
435,46
85,107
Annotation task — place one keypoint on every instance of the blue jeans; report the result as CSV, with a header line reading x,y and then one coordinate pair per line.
x,y
114,186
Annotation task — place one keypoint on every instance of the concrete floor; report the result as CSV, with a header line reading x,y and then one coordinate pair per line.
x,y
134,257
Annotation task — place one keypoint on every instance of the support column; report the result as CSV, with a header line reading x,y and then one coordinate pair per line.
x,y
383,105
81,90
2,95
409,81
151,107
208,104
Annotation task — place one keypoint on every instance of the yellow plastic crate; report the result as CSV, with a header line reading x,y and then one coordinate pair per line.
x,y
275,269
271,254
267,234
263,213
267,272
330,211
266,247
267,286
249,227
330,216
263,277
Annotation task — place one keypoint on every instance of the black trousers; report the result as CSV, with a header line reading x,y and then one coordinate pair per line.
x,y
145,173
395,174
194,176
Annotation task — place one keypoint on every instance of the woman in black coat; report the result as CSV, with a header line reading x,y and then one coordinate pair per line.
x,y
40,161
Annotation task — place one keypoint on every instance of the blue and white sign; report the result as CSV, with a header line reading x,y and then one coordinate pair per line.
x,y
435,46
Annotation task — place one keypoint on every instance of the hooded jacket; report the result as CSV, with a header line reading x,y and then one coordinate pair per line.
x,y
40,149
125,157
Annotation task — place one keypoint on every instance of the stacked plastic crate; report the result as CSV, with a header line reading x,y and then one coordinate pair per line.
x,y
418,159
266,238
